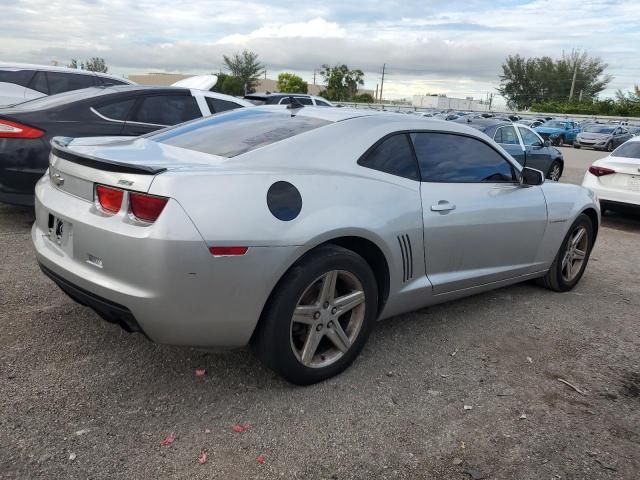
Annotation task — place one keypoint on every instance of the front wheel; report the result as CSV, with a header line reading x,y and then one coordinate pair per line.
x,y
558,141
609,147
319,316
570,262
555,171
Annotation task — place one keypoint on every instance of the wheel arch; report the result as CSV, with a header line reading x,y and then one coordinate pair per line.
x,y
365,247
593,216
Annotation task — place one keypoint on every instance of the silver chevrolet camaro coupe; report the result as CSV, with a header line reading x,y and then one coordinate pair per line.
x,y
294,229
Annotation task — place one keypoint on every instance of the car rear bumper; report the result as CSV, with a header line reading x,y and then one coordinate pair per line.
x,y
158,279
610,195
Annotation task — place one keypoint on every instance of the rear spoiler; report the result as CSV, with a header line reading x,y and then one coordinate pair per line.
x,y
59,148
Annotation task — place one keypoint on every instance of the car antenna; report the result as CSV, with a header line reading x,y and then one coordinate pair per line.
x,y
294,104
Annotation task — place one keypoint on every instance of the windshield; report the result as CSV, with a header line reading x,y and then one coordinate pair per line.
x,y
598,129
235,132
627,150
553,124
62,98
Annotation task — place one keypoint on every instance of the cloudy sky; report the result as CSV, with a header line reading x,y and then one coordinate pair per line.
x,y
454,47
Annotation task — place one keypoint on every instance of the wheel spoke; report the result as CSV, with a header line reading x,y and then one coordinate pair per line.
x,y
304,314
565,260
579,254
577,237
338,337
310,346
348,302
569,269
328,289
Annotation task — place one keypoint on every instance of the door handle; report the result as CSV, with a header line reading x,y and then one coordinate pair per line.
x,y
443,206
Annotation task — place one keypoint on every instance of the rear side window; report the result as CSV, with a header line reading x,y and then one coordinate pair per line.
x,y
238,131
19,77
451,158
39,83
320,103
394,156
60,82
110,81
302,100
167,109
116,110
627,150
506,136
217,105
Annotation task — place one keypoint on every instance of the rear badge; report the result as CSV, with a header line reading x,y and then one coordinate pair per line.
x,y
95,261
126,183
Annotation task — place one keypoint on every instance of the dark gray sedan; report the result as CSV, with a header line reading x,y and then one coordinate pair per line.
x,y
602,137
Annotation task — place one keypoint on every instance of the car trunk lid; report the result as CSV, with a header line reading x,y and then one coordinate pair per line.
x,y
77,165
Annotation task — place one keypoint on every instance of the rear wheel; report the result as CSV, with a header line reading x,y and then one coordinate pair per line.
x,y
575,145
568,267
609,147
555,171
558,141
320,316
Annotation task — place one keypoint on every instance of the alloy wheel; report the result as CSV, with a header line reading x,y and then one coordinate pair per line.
x,y
575,253
555,172
327,319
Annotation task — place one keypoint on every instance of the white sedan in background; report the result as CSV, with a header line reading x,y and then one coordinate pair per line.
x,y
616,178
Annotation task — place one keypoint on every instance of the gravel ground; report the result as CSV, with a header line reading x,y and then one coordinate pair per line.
x,y
80,398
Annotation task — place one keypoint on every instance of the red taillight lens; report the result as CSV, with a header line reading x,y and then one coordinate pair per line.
x,y
600,171
10,129
146,207
228,250
110,199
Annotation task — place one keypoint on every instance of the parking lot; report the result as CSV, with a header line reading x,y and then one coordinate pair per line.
x,y
80,398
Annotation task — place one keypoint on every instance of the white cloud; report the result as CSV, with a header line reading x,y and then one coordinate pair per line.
x,y
453,47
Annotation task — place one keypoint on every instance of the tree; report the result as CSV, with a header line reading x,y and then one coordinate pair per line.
x,y
525,81
342,83
291,83
94,64
246,67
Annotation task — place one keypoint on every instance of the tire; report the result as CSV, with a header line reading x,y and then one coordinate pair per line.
x,y
283,341
559,141
575,145
555,171
556,279
609,147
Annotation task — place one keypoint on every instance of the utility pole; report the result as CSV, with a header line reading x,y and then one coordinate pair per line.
x,y
384,65
573,82
314,76
490,101
376,97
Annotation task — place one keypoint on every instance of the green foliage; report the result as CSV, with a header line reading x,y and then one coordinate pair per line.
x,y
363,98
228,85
525,81
618,108
94,64
342,83
246,67
291,83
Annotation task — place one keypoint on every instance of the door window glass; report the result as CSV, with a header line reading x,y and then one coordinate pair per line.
x,y
393,156
506,136
529,137
453,158
116,110
19,77
320,103
60,82
167,109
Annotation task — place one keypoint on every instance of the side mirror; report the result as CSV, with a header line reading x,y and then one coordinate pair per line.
x,y
531,176
547,143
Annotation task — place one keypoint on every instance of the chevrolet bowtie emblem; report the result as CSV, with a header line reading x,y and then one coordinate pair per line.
x,y
58,179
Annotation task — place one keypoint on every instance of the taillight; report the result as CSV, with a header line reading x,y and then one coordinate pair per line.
x,y
10,129
600,171
109,198
146,207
